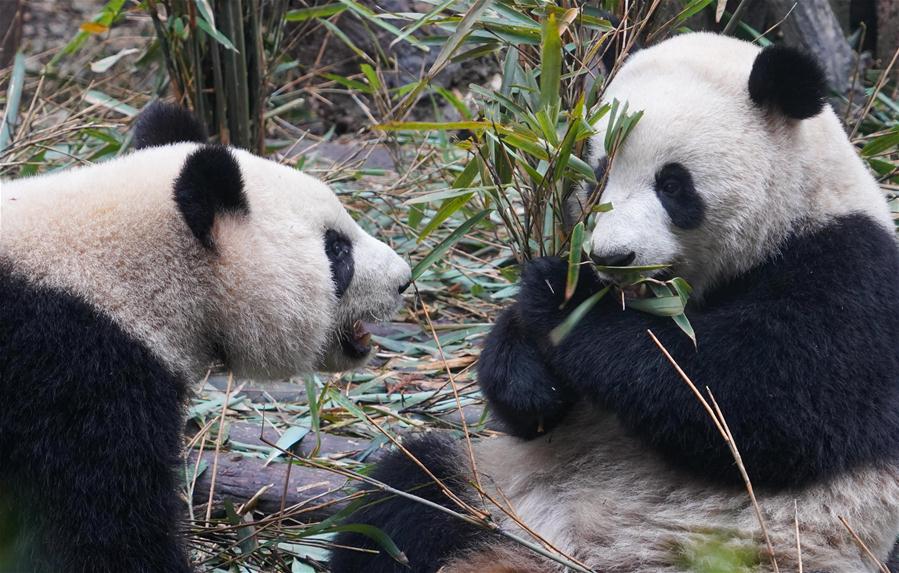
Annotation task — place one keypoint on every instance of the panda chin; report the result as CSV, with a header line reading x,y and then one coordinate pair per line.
x,y
351,348
356,344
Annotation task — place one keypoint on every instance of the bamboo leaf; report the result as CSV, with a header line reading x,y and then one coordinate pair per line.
x,y
13,97
560,332
215,34
684,324
449,207
99,98
550,66
367,14
659,306
455,40
574,260
104,64
376,535
886,142
448,242
371,76
323,11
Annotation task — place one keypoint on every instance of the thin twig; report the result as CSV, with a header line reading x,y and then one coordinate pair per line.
x,y
452,379
218,447
798,543
718,418
858,540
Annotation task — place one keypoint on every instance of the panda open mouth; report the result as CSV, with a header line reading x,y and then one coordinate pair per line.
x,y
356,342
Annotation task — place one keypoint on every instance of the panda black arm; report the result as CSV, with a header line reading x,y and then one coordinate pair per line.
x,y
800,360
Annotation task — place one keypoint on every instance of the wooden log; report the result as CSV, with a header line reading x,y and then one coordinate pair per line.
x,y
240,477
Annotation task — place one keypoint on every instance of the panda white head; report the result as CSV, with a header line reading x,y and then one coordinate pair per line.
x,y
206,253
296,278
735,151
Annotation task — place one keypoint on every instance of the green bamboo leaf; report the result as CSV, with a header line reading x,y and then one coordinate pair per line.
x,y
323,11
637,268
345,39
437,196
99,98
371,76
99,23
367,14
574,260
434,125
376,535
684,324
426,18
215,34
691,9
560,332
287,440
454,101
567,146
348,83
13,97
682,288
550,66
659,306
887,142
455,40
482,51
465,179
448,242
449,207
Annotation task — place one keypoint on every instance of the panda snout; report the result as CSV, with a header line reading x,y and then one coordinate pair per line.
x,y
614,260
404,287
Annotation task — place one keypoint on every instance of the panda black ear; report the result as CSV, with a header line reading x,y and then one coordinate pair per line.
x,y
209,185
163,123
788,80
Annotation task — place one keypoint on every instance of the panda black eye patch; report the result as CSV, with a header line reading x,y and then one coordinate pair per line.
x,y
675,190
339,249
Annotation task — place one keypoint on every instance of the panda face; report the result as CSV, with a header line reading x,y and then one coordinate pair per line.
x,y
300,279
715,176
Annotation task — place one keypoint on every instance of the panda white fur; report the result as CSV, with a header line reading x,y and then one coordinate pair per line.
x,y
743,180
119,284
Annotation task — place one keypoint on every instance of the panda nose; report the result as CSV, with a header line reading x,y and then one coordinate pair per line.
x,y
404,286
616,260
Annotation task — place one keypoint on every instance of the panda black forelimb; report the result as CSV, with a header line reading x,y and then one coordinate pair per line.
x,y
428,537
803,368
524,393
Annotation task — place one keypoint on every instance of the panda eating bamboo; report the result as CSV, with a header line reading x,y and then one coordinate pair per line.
x,y
741,179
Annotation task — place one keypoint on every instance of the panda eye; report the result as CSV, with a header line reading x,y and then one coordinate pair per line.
x,y
337,245
677,194
673,180
671,186
339,249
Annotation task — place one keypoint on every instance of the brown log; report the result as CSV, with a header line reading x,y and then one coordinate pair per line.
x,y
240,477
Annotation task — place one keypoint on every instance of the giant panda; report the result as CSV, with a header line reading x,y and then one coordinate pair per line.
x,y
741,179
120,283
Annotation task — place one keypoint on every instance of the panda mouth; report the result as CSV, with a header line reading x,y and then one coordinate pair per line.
x,y
356,342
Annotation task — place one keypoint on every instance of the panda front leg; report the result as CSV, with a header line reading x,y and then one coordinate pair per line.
x,y
522,391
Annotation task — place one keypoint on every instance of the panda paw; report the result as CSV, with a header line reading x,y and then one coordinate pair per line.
x,y
519,386
541,298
